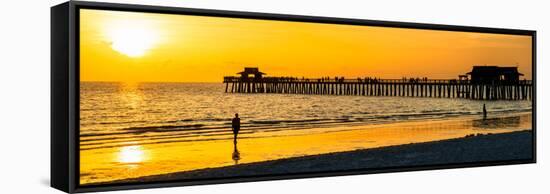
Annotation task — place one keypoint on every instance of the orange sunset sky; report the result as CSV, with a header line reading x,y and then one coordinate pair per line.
x,y
145,47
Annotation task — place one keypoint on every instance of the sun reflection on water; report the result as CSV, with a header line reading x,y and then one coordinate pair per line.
x,y
130,95
131,154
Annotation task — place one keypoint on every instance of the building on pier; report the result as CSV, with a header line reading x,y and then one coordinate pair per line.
x,y
251,72
494,74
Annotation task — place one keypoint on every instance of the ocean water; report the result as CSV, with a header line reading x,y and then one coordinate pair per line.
x,y
121,114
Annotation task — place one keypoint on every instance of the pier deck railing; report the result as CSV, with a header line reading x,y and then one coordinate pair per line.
x,y
407,87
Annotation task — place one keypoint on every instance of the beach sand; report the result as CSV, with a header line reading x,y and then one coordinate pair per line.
x,y
190,159
478,148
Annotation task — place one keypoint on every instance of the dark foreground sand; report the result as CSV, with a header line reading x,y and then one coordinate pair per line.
x,y
493,147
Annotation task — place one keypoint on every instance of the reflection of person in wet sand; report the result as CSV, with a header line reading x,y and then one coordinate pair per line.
x,y
236,155
236,125
484,112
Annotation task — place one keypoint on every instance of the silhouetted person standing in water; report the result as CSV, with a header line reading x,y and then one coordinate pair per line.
x,y
484,112
236,125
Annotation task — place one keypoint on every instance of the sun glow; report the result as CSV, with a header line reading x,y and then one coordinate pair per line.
x,y
132,38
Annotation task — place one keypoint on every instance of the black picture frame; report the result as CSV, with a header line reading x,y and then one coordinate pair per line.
x,y
65,91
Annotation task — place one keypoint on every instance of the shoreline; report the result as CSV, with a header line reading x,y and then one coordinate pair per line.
x,y
471,148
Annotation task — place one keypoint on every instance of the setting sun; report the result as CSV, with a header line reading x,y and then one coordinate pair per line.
x,y
131,38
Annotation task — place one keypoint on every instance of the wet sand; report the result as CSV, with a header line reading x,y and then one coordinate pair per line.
x,y
479,148
129,162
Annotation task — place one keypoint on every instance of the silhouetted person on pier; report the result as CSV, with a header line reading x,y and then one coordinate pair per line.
x,y
484,112
236,125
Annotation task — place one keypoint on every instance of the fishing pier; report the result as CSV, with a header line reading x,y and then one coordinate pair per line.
x,y
483,83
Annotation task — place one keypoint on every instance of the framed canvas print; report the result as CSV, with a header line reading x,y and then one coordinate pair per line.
x,y
146,96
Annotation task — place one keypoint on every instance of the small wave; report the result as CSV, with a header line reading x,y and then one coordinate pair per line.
x,y
361,112
179,120
286,121
197,120
431,111
145,128
117,122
